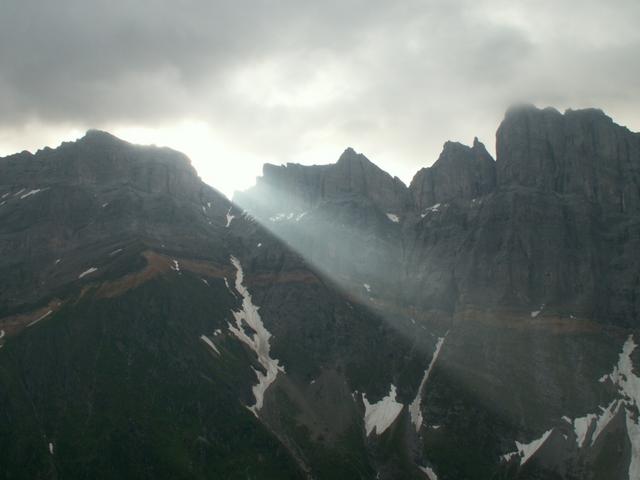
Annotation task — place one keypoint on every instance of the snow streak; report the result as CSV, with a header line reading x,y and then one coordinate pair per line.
x,y
414,408
258,342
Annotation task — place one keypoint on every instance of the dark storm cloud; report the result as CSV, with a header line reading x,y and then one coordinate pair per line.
x,y
395,79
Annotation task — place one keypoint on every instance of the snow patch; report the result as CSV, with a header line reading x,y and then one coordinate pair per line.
x,y
633,431
535,313
175,266
259,245
581,427
31,192
206,340
527,450
279,217
229,218
42,317
431,475
603,420
258,342
414,407
106,204
87,272
434,208
51,448
380,415
393,217
1,333
115,252
57,261
367,287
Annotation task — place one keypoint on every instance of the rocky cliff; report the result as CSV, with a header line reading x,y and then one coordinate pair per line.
x,y
530,263
479,324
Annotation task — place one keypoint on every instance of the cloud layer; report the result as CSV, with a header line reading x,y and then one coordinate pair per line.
x,y
289,80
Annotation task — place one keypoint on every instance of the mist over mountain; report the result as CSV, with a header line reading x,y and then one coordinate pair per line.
x,y
330,322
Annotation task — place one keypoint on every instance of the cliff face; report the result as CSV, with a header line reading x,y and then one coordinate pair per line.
x,y
582,152
460,173
479,324
529,262
151,329
552,221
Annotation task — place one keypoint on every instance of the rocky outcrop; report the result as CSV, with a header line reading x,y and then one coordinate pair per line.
x,y
582,152
298,188
460,173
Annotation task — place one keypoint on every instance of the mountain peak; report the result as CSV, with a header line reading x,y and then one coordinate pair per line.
x,y
461,172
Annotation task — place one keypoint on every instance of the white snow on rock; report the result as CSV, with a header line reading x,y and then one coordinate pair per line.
x,y
51,448
527,450
19,192
414,407
535,313
603,420
31,192
367,287
1,333
57,261
633,431
206,340
433,208
229,218
115,252
105,205
259,245
508,456
5,195
431,475
581,427
258,342
175,266
380,415
622,375
87,272
279,217
393,217
42,317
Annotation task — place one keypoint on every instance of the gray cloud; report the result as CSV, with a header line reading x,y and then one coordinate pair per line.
x,y
276,77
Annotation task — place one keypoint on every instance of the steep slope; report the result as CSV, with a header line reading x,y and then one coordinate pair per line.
x,y
530,263
150,329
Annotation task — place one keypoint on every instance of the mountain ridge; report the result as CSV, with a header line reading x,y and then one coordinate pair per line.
x,y
142,314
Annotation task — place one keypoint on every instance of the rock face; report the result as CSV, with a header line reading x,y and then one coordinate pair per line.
x,y
306,187
479,324
460,173
526,261
141,314
581,152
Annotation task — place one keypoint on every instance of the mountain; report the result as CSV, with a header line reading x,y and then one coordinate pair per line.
x,y
331,322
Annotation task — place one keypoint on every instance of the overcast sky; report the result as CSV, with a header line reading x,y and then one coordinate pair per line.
x,y
239,83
